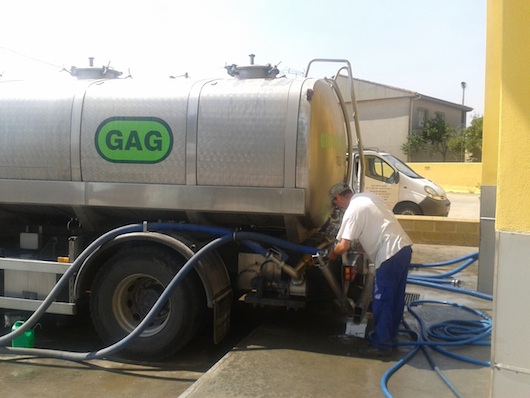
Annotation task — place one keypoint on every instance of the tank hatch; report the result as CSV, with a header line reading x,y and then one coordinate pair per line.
x,y
93,72
252,71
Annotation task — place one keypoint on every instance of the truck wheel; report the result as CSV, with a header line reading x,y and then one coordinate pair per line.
x,y
126,288
408,209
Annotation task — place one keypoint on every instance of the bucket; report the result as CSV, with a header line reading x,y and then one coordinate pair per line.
x,y
26,339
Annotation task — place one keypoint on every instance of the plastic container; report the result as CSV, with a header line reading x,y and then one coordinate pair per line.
x,y
26,339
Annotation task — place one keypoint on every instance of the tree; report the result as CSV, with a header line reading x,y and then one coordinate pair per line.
x,y
473,137
436,136
415,143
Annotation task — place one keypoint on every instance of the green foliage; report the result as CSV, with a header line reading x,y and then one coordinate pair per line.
x,y
437,136
415,143
456,144
474,139
438,133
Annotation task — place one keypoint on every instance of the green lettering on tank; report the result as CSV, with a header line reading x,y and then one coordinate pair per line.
x,y
331,141
134,140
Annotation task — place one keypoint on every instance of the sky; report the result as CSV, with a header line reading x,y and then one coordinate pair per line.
x,y
427,46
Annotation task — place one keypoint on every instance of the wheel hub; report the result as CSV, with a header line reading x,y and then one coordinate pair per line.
x,y
133,299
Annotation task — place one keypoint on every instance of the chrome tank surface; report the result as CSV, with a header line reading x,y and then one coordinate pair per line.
x,y
234,151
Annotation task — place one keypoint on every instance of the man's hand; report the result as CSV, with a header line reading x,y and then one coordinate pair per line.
x,y
340,248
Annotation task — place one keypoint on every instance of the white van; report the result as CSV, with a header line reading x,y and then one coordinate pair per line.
x,y
403,190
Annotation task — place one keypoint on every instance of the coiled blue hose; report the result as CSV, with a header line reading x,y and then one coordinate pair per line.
x,y
445,334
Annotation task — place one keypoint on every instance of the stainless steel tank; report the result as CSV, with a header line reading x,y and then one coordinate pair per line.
x,y
259,151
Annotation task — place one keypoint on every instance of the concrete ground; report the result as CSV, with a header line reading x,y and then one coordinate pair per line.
x,y
308,354
464,205
302,353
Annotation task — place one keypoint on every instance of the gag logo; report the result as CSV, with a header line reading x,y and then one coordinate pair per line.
x,y
134,140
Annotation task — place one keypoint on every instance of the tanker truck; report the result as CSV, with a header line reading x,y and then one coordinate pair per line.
x,y
129,180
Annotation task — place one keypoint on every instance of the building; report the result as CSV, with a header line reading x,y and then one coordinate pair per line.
x,y
388,114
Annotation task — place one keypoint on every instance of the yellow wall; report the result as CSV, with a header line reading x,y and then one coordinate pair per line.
x,y
507,114
452,177
513,209
490,134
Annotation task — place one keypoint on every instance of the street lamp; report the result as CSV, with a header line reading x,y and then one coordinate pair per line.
x,y
464,85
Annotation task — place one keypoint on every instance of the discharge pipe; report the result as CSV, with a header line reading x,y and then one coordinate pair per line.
x,y
323,264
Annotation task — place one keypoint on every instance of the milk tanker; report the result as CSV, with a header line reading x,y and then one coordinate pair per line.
x,y
183,162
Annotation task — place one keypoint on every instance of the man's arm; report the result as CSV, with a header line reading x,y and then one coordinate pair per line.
x,y
340,248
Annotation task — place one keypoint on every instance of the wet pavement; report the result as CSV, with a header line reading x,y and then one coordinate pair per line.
x,y
307,353
303,353
271,353
29,376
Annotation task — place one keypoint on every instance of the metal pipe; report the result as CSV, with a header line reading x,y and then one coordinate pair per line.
x,y
306,259
295,276
346,304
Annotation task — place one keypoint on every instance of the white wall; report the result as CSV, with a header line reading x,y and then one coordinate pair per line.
x,y
385,124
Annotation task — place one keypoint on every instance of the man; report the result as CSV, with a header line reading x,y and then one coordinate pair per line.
x,y
367,220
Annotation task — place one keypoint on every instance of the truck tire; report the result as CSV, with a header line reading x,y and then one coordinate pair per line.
x,y
126,288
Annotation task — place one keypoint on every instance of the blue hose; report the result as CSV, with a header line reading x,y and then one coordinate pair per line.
x,y
474,293
444,334
217,231
468,260
472,257
447,334
227,236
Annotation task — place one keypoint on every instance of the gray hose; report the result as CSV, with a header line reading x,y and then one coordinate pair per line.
x,y
63,281
120,345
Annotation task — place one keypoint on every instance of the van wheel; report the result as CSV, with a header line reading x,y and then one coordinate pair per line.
x,y
126,288
408,209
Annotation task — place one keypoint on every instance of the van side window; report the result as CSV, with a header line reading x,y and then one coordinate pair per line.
x,y
378,169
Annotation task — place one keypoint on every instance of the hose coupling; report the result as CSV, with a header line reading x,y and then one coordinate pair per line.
x,y
276,258
321,259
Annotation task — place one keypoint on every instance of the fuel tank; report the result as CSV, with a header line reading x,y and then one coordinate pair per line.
x,y
233,151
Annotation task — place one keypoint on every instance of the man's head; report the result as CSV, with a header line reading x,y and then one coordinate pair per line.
x,y
340,195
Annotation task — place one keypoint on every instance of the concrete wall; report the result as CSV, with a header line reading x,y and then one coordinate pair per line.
x,y
452,115
453,177
385,124
441,230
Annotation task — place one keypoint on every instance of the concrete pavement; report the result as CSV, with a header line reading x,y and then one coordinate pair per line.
x,y
308,354
464,205
292,354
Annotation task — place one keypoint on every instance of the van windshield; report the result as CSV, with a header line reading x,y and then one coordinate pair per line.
x,y
401,167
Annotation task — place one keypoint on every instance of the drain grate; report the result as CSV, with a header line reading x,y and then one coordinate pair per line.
x,y
410,297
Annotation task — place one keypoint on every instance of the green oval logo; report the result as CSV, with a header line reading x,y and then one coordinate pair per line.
x,y
134,140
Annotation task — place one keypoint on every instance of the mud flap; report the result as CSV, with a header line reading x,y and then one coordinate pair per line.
x,y
222,307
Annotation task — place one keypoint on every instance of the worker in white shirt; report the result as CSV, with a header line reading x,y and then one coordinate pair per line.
x,y
367,220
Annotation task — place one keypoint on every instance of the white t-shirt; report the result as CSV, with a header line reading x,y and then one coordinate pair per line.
x,y
379,232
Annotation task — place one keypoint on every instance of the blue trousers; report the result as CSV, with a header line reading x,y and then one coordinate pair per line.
x,y
388,298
